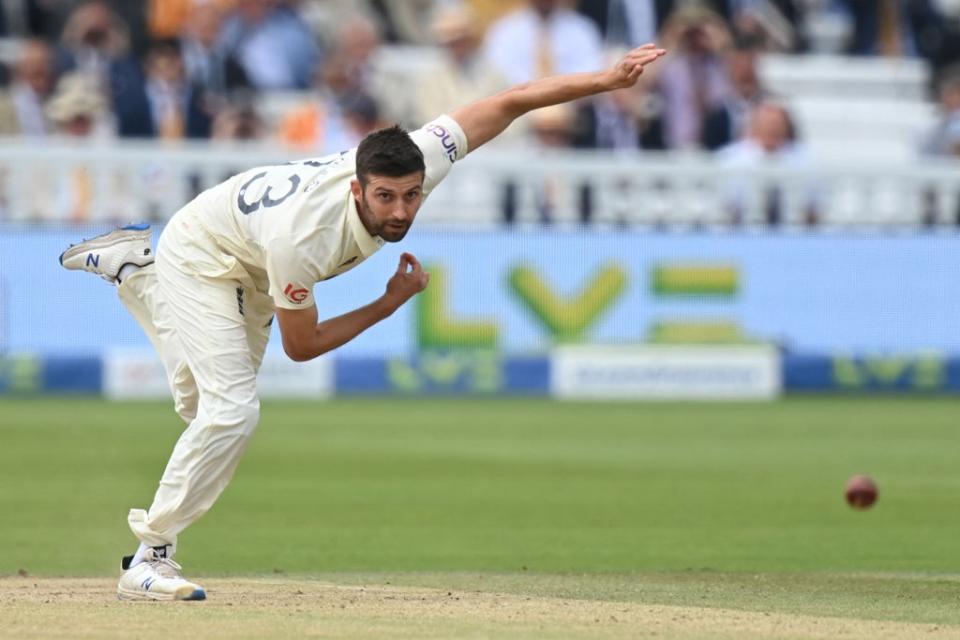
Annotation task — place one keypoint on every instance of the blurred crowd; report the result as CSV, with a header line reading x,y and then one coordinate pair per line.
x,y
315,74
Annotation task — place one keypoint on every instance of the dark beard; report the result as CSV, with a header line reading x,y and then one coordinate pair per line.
x,y
388,234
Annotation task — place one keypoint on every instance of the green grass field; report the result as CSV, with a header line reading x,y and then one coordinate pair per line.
x,y
735,506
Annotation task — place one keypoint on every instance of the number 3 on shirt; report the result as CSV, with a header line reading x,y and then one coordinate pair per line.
x,y
267,201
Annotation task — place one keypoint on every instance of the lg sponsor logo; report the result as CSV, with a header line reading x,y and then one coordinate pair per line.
x,y
445,139
297,296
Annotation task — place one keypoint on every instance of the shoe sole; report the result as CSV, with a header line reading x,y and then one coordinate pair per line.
x,y
123,234
185,594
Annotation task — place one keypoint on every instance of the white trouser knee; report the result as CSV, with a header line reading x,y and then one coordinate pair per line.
x,y
202,464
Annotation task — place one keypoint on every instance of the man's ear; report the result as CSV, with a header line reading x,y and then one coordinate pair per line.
x,y
356,189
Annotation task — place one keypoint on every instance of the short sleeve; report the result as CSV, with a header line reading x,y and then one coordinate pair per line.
x,y
442,143
291,279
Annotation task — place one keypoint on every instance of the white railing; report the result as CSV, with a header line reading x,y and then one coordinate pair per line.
x,y
61,183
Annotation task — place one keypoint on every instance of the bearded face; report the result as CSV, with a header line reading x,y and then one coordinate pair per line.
x,y
387,206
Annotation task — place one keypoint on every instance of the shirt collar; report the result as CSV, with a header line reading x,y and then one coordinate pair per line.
x,y
368,244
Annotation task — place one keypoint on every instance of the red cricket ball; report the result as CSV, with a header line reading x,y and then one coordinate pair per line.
x,y
861,492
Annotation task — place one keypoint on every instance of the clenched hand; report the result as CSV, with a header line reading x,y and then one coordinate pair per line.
x,y
408,281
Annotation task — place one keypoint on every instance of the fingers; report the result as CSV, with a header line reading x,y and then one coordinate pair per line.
x,y
409,264
643,49
645,58
414,264
631,66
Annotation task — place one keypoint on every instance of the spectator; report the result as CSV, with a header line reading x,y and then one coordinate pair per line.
x,y
163,104
350,68
944,139
728,122
95,42
348,73
771,140
77,110
693,80
176,108
357,41
464,75
207,65
273,44
543,39
22,107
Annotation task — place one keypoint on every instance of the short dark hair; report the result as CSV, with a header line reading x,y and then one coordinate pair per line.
x,y
388,152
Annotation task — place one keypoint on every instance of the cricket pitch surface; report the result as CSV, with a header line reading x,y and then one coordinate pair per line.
x,y
286,608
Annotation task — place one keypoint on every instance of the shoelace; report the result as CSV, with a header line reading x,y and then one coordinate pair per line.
x,y
166,567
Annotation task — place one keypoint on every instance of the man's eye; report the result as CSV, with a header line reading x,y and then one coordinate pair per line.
x,y
384,196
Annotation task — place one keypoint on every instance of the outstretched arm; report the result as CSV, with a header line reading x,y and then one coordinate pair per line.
x,y
305,339
484,120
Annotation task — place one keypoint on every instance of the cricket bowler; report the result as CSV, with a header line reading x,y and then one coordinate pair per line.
x,y
252,248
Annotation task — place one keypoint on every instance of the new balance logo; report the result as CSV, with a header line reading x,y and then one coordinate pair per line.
x,y
147,583
93,260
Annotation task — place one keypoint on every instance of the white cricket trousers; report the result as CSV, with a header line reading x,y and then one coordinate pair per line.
x,y
211,334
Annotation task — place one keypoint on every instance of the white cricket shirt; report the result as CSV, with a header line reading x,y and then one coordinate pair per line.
x,y
290,226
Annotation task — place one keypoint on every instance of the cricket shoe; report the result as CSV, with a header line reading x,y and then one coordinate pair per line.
x,y
105,255
157,577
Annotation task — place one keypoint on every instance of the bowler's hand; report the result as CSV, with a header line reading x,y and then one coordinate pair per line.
x,y
408,281
627,71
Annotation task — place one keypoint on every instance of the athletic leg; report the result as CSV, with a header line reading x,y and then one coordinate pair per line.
x,y
129,248
213,336
151,573
140,294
